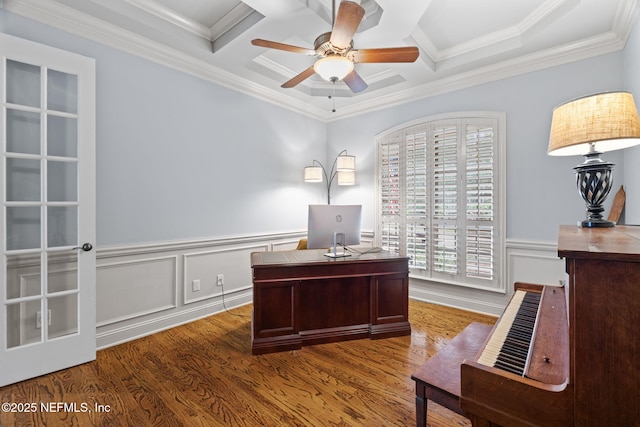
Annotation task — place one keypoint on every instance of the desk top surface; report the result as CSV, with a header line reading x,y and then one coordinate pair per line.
x,y
316,256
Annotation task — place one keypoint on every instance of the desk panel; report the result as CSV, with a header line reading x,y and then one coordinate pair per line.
x,y
302,298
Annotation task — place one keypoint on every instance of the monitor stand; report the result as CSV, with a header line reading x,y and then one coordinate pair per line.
x,y
334,250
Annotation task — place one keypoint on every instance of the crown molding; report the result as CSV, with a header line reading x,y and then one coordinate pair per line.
x,y
70,20
80,24
595,46
231,19
169,15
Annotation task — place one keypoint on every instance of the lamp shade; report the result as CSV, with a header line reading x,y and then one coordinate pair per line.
x,y
607,121
345,163
333,67
347,178
313,174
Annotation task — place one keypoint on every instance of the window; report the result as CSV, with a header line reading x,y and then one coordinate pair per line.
x,y
440,197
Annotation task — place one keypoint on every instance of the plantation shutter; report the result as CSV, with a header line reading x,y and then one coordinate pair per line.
x,y
445,198
416,205
480,200
390,193
438,198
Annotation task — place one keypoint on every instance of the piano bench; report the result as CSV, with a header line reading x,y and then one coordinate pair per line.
x,y
438,379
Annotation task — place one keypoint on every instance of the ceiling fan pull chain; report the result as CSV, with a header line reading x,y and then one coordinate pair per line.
x,y
333,95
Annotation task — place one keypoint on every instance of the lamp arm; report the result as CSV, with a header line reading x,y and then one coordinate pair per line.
x,y
329,177
332,175
326,179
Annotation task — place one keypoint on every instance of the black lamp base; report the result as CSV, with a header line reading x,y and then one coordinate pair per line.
x,y
594,180
597,223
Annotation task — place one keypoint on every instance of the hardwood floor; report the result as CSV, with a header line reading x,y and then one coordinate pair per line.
x,y
203,374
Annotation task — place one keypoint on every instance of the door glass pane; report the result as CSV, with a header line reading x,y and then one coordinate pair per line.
x,y
64,316
23,180
62,272
23,132
23,84
62,91
62,181
62,136
23,276
23,228
62,226
22,323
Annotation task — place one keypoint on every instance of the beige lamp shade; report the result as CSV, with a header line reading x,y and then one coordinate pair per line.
x,y
333,67
313,174
608,121
345,163
346,178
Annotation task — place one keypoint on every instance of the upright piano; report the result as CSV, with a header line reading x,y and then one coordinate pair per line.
x,y
566,356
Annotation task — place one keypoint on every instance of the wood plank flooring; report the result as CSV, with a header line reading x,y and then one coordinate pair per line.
x,y
203,374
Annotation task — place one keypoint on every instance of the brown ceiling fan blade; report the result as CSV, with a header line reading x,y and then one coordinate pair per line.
x,y
299,78
390,54
349,16
282,46
355,82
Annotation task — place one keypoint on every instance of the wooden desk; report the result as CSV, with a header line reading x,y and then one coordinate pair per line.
x,y
302,298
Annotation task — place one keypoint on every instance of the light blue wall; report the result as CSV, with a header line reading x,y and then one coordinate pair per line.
x,y
182,158
541,192
631,69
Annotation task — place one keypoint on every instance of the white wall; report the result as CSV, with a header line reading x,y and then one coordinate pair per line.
x,y
631,67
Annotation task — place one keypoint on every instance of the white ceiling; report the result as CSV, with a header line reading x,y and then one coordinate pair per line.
x,y
461,42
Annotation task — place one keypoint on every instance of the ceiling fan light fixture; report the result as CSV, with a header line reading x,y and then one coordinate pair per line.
x,y
333,67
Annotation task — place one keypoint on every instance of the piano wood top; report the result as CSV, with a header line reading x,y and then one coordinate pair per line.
x,y
620,243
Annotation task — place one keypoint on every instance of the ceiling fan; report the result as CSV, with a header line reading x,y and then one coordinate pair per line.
x,y
336,54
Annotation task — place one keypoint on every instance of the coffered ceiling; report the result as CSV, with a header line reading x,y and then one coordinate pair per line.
x,y
461,42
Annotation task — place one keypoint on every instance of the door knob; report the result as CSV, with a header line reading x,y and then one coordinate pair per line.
x,y
86,247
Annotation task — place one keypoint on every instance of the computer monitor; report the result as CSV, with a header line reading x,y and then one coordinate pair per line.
x,y
331,226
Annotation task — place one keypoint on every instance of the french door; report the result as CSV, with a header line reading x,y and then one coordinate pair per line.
x,y
47,175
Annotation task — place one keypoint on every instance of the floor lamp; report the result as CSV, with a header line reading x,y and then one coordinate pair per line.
x,y
343,170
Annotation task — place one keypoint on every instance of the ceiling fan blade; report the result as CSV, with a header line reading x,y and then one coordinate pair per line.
x,y
299,78
349,16
355,82
390,54
282,46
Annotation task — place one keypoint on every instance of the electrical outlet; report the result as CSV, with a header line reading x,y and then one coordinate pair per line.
x,y
195,285
39,319
220,280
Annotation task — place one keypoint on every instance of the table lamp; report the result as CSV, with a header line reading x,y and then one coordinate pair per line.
x,y
590,126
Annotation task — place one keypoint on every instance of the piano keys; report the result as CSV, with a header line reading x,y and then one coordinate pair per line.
x,y
509,345
522,371
582,368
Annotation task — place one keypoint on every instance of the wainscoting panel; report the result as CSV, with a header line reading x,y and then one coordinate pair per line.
x,y
234,264
144,289
135,288
534,263
147,288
